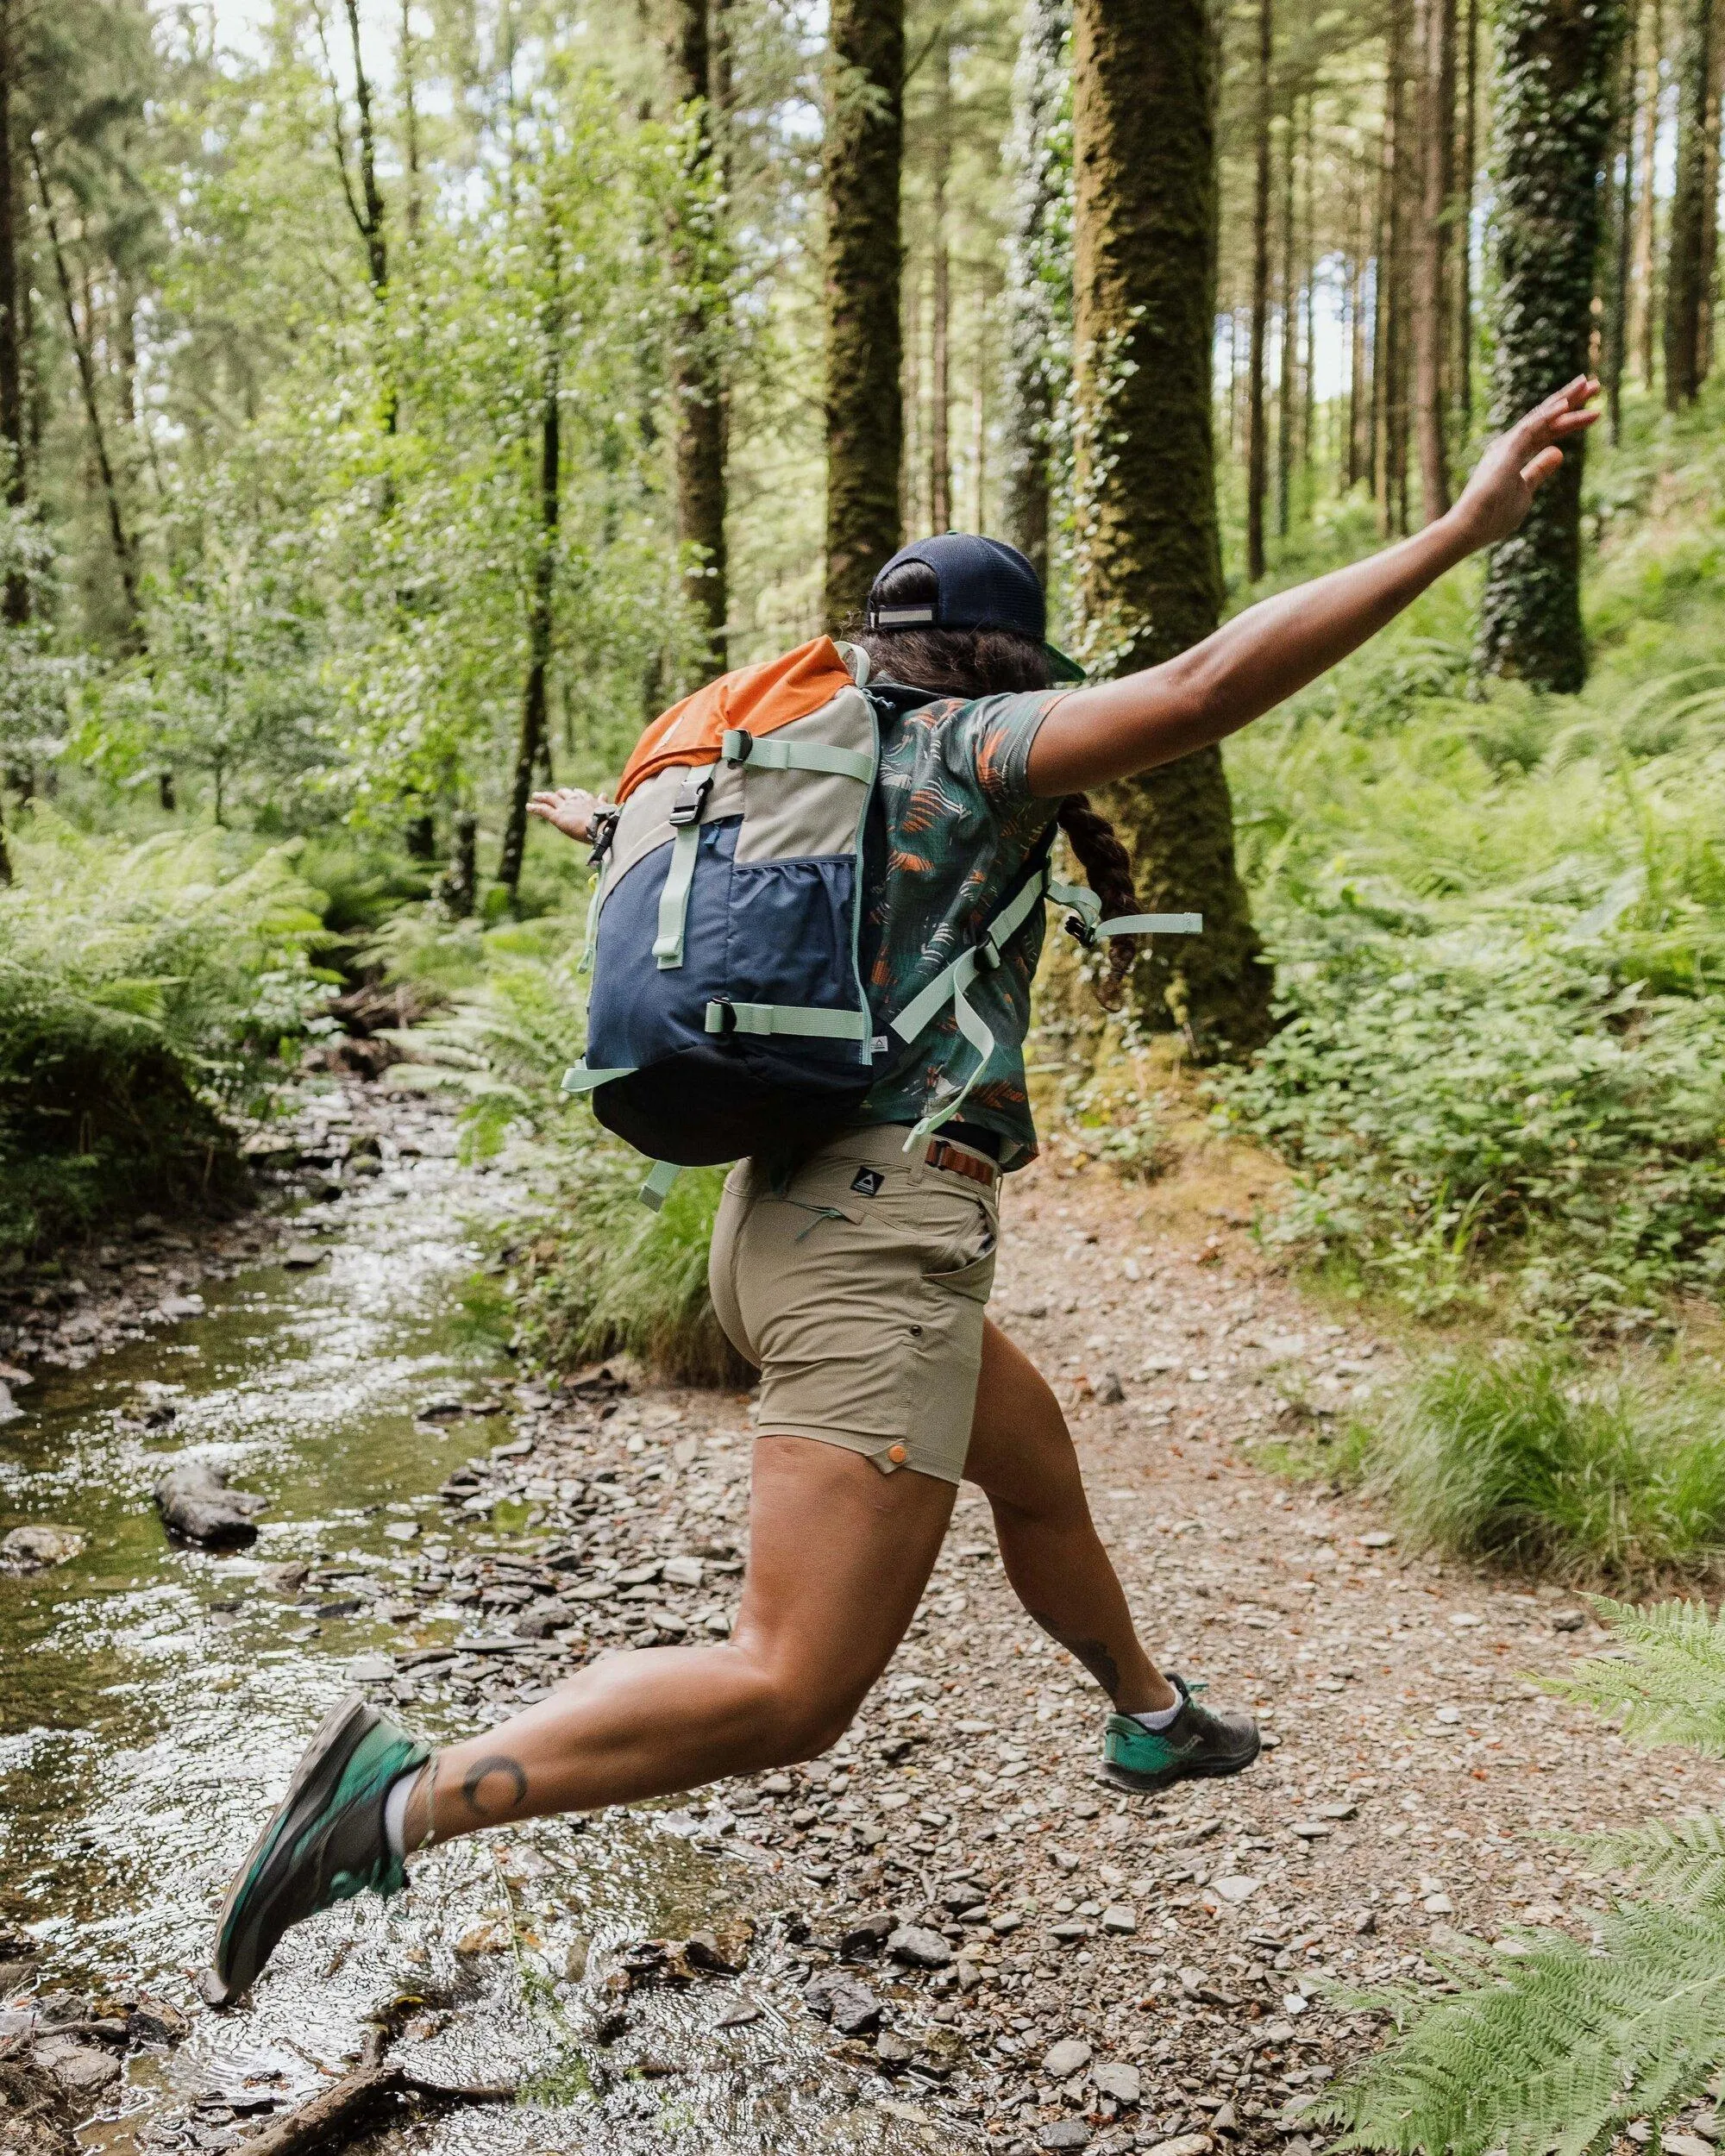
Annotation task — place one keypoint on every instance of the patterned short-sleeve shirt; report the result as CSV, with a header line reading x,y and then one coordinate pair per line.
x,y
959,822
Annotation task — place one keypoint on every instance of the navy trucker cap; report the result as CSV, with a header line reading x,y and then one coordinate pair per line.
x,y
981,584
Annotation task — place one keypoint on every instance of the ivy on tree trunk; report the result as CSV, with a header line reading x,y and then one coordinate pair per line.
x,y
698,382
1147,555
1039,273
864,151
1556,66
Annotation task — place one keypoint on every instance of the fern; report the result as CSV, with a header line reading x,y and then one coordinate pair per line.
x,y
1563,2047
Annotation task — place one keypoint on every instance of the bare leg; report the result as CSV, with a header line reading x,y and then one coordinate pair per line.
x,y
1021,1455
839,1555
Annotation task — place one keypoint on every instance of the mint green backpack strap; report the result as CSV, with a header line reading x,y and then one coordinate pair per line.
x,y
1153,925
738,747
578,1079
657,1187
801,1021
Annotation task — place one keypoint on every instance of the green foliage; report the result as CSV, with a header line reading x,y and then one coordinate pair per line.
x,y
1534,1460
143,991
607,1276
1499,930
1561,2047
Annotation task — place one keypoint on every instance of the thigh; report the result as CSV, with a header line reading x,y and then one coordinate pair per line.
x,y
838,1557
1021,1451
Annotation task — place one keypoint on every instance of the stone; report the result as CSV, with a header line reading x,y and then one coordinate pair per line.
x,y
1183,2145
370,1669
1675,2143
300,1258
891,2050
1120,1920
1569,1620
684,1572
81,2068
868,1934
1115,2078
920,1947
1109,1390
1310,1829
850,2006
1379,1539
32,1548
9,1409
1438,1905
1069,2057
740,2015
1236,1887
1067,2134
196,1503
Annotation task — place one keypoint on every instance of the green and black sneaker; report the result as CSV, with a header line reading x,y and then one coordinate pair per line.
x,y
324,1843
1198,1742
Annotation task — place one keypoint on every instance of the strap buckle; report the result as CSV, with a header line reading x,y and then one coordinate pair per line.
x,y
691,801
988,956
604,819
1079,930
721,1017
738,744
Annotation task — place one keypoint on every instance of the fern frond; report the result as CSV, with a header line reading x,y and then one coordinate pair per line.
x,y
1671,1687
1683,1864
1558,2051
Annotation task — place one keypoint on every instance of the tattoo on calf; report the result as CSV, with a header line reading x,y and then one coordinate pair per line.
x,y
1093,1653
481,1772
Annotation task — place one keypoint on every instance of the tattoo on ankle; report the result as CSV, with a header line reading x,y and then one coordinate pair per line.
x,y
481,1772
1093,1653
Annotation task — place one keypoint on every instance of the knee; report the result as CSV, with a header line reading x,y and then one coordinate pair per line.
x,y
798,1714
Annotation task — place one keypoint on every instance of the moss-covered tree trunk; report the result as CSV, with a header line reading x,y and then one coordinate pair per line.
x,y
1039,271
697,369
1687,254
1436,57
1556,66
865,152
1257,447
1149,562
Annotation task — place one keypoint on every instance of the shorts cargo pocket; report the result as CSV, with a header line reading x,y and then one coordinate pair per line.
x,y
974,1279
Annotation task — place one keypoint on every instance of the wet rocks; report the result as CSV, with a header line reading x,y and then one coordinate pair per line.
x,y
850,2006
920,1947
33,1548
196,1503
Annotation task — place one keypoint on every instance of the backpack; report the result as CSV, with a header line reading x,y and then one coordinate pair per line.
x,y
727,1011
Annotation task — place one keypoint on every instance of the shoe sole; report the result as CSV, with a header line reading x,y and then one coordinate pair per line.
x,y
342,1726
1165,1777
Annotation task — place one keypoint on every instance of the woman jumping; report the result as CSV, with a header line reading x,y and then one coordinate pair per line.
x,y
874,1351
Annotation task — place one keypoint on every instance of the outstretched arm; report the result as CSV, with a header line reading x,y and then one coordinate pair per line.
x,y
1263,655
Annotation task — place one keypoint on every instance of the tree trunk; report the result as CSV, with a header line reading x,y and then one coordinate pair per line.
x,y
1034,315
864,419
1614,342
1309,286
1358,457
530,745
1431,250
940,324
1645,312
125,558
697,372
1557,61
1389,358
1285,420
16,604
1148,559
1256,447
1686,252
1710,195
1464,194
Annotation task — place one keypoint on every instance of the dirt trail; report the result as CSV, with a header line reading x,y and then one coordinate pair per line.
x,y
1115,1972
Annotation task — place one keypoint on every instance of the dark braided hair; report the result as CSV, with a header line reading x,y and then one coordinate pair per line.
x,y
992,662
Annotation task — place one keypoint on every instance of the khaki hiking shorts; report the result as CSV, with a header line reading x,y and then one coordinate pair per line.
x,y
856,1282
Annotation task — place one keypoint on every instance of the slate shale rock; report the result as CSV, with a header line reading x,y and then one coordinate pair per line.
x,y
32,1549
196,1503
850,2006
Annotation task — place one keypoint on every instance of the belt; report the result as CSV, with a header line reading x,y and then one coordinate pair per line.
x,y
956,1162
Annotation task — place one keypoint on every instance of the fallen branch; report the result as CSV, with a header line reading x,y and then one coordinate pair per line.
x,y
338,2113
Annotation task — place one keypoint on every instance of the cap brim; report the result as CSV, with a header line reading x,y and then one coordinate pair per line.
x,y
1062,667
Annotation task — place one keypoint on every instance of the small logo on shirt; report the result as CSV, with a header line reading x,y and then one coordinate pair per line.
x,y
868,1183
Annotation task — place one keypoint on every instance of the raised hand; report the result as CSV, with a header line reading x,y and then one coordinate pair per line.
x,y
569,809
1519,462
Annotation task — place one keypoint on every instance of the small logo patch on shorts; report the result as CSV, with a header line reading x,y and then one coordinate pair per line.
x,y
868,1183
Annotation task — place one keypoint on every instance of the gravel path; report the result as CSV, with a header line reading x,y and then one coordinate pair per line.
x,y
992,1931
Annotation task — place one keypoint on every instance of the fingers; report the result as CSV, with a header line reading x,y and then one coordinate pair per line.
x,y
1535,474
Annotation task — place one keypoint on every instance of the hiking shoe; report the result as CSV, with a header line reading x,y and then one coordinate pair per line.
x,y
324,1843
1198,1742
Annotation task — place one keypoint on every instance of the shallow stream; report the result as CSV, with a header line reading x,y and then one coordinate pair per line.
x,y
152,1700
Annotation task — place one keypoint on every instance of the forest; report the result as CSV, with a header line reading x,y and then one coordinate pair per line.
x,y
403,402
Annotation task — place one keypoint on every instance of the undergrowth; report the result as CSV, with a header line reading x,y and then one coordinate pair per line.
x,y
1536,1462
145,992
1562,2045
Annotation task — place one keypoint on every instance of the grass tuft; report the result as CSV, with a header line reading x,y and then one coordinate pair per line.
x,y
1531,1462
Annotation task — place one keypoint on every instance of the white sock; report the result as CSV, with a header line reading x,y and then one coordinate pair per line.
x,y
1159,1720
395,1813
